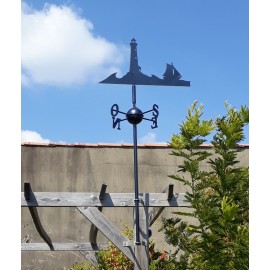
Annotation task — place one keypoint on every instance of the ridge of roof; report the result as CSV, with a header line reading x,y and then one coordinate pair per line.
x,y
161,145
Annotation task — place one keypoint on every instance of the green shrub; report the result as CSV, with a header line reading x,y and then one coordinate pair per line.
x,y
113,258
110,259
219,199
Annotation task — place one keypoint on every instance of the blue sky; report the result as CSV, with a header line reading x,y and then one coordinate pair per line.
x,y
69,46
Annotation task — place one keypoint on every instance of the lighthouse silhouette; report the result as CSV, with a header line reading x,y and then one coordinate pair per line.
x,y
134,65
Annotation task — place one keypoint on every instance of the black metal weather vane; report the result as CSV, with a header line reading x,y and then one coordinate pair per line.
x,y
171,76
134,116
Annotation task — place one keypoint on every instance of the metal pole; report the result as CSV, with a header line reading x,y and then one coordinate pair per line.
x,y
136,200
136,185
134,95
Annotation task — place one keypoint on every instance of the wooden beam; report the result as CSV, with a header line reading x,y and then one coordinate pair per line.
x,y
154,214
142,251
27,190
34,214
90,256
81,199
102,191
93,229
169,191
61,247
106,227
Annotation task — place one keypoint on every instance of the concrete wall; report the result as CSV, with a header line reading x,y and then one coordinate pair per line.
x,y
84,168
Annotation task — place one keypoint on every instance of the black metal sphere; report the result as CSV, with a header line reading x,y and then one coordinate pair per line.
x,y
134,116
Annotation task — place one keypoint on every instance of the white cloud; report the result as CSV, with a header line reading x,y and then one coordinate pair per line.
x,y
32,136
59,48
149,138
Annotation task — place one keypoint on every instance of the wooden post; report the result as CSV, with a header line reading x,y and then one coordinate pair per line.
x,y
142,251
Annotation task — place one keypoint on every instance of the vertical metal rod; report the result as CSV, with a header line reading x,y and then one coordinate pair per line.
x,y
136,200
134,95
136,185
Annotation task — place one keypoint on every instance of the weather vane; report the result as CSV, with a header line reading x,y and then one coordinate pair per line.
x,y
134,116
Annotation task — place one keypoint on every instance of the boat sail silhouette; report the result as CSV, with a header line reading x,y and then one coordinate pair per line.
x,y
171,73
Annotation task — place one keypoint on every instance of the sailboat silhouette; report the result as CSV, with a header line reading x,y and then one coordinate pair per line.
x,y
171,73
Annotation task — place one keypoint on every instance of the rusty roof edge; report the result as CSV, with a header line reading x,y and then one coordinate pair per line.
x,y
112,145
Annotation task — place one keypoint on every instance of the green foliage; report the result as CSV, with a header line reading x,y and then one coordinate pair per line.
x,y
113,259
82,266
160,260
218,199
110,259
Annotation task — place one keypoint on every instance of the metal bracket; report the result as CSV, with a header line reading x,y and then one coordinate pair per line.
x,y
139,201
132,244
